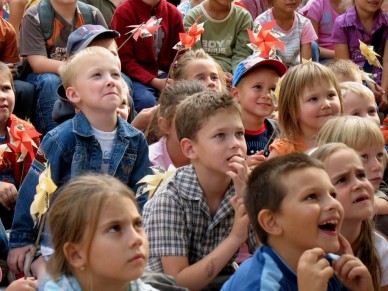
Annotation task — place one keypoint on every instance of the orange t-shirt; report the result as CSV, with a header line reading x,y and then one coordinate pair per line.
x,y
285,146
8,44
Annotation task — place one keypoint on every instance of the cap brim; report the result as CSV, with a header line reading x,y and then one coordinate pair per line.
x,y
277,65
100,35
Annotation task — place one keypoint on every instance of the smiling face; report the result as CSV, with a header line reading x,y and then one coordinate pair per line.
x,y
368,6
354,191
317,104
285,6
309,215
357,105
7,100
204,70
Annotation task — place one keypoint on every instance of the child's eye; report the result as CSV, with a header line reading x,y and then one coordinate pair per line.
x,y
380,156
313,99
139,224
332,96
116,75
215,78
240,134
6,88
312,196
372,112
361,175
259,87
356,114
114,228
340,181
364,157
96,75
220,135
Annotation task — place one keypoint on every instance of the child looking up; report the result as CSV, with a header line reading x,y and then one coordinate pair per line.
x,y
197,222
292,207
253,83
309,95
296,31
95,215
355,193
94,140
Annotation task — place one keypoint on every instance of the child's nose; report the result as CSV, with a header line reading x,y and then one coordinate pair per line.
x,y
135,238
376,166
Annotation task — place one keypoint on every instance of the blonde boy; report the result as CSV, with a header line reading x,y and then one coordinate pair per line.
x,y
197,222
291,204
94,140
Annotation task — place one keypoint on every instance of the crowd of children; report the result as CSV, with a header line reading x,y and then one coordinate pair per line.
x,y
169,154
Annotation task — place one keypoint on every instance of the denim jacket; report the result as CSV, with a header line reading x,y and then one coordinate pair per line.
x,y
71,149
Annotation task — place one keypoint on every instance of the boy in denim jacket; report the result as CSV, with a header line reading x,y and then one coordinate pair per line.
x,y
94,140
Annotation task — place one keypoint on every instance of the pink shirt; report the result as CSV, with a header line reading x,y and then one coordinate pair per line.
x,y
158,154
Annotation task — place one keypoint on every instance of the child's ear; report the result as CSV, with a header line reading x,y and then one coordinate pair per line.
x,y
74,255
187,146
267,220
72,95
164,125
234,91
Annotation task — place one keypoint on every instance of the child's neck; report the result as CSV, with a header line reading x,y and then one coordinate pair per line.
x,y
283,20
66,11
367,19
99,285
289,256
215,10
153,3
175,152
251,122
351,230
336,5
103,122
3,128
309,140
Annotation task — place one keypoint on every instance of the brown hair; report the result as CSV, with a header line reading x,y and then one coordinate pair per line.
x,y
7,72
74,215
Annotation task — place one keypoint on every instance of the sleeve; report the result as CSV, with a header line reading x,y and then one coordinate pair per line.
x,y
10,52
313,10
241,51
339,34
32,41
308,32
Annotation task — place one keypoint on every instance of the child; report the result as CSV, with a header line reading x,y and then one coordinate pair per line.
x,y
344,70
359,100
309,95
225,35
296,31
253,82
364,136
198,65
95,140
196,222
364,21
45,49
147,60
292,207
12,171
355,193
91,217
167,150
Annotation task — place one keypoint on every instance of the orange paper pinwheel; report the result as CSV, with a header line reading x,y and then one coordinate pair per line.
x,y
22,140
145,29
188,39
263,40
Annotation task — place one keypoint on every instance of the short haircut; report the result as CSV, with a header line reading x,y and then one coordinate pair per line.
x,y
345,67
69,70
265,187
7,72
356,88
193,112
293,83
74,215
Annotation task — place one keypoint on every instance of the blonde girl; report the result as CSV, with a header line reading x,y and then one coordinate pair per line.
x,y
198,65
355,193
309,96
98,237
165,148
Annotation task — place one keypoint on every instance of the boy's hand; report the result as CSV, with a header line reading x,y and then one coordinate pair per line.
x,y
313,271
8,195
255,159
241,220
144,117
159,84
239,173
29,283
16,258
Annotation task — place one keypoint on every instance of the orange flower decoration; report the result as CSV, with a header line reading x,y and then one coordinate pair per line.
x,y
264,41
188,40
21,140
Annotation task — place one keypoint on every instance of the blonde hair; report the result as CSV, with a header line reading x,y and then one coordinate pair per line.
x,y
356,88
367,252
194,112
7,73
70,69
294,82
179,71
75,212
354,131
345,67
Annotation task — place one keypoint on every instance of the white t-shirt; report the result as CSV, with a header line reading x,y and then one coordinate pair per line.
x,y
105,140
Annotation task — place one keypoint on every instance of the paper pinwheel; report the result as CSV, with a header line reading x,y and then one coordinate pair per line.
x,y
145,29
3,148
188,39
154,181
263,40
22,140
370,55
44,191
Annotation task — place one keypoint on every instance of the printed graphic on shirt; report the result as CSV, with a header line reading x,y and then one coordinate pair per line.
x,y
217,46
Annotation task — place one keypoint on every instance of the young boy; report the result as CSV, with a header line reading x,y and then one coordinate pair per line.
x,y
292,207
253,82
95,140
196,223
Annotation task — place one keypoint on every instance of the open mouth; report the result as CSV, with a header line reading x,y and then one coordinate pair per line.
x,y
3,106
330,225
361,199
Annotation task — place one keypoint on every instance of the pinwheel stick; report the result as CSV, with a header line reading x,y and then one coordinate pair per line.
x,y
172,65
129,37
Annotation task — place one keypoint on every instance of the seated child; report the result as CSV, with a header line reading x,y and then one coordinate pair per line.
x,y
292,207
253,83
345,70
92,216
196,223
94,140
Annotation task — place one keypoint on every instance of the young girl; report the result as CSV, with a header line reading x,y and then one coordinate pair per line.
x,y
98,237
358,100
364,21
309,95
167,150
355,193
364,136
296,31
198,65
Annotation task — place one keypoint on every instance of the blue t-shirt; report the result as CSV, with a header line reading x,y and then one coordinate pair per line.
x,y
265,270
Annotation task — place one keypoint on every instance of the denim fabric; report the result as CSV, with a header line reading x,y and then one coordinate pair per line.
x,y
3,243
46,86
71,149
315,51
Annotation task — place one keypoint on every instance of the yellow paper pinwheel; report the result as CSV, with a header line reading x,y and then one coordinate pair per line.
x,y
154,181
3,148
44,190
371,56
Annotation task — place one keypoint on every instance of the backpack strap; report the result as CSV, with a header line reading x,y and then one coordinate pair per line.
x,y
46,16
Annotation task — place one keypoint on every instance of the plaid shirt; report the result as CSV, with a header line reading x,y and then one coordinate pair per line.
x,y
178,222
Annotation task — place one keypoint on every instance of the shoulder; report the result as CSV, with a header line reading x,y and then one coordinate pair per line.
x,y
302,19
